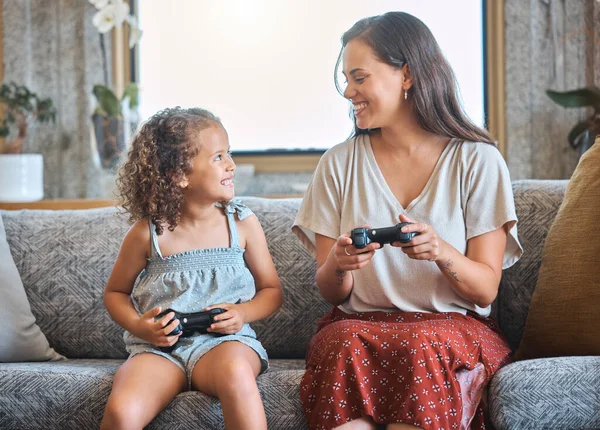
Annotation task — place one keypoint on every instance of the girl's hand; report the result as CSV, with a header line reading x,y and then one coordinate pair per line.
x,y
426,246
347,257
156,332
230,321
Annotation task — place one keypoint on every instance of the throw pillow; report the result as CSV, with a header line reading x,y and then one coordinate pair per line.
x,y
20,337
563,316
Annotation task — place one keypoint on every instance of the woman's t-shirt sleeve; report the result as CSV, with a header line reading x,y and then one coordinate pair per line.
x,y
489,201
320,211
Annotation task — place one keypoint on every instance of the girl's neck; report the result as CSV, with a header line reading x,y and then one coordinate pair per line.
x,y
194,214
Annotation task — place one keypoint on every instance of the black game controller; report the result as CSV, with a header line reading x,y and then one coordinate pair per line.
x,y
192,323
362,236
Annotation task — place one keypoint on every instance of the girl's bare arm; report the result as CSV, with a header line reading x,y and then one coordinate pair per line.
x,y
269,296
131,260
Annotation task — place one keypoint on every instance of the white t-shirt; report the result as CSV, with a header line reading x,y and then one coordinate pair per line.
x,y
468,194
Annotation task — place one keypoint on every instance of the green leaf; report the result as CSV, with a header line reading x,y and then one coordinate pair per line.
x,y
107,100
131,91
4,129
589,96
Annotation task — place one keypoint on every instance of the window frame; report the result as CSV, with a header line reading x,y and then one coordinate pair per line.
x,y
306,161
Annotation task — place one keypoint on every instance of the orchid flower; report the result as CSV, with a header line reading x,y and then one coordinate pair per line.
x,y
99,3
135,33
112,13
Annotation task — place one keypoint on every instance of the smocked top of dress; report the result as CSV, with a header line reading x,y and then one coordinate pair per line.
x,y
192,280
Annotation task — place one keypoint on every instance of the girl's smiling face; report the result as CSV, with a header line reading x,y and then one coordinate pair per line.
x,y
213,169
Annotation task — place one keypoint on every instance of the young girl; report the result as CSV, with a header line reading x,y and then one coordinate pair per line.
x,y
194,249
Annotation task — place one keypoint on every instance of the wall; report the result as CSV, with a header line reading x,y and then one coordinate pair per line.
x,y
549,44
53,48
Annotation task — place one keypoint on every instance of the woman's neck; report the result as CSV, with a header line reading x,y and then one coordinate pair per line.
x,y
404,135
405,138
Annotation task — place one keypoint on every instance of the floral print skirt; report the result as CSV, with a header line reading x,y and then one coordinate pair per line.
x,y
424,369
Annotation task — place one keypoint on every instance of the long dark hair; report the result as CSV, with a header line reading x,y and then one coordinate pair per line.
x,y
398,38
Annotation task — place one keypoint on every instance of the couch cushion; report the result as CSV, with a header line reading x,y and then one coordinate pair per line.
x,y
550,393
563,317
20,337
286,333
65,258
64,395
73,394
537,202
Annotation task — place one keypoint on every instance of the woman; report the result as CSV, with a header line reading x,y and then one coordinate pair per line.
x,y
409,342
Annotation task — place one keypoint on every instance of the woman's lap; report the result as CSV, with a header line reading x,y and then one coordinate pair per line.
x,y
400,367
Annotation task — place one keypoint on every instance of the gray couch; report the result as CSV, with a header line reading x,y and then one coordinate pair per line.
x,y
64,258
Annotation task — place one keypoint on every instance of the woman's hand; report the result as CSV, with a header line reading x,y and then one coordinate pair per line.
x,y
156,332
230,321
425,246
347,257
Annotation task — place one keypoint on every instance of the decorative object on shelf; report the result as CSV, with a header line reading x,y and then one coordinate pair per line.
x,y
583,134
21,175
115,117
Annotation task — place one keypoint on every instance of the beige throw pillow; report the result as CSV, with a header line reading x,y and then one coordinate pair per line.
x,y
565,307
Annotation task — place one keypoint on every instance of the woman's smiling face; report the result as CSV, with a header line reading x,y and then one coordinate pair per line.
x,y
374,88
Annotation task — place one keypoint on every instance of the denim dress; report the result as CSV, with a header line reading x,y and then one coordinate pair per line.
x,y
190,281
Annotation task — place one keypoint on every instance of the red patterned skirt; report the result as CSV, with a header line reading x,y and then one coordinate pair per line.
x,y
424,369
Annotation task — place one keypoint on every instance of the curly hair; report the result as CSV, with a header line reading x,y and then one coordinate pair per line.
x,y
161,155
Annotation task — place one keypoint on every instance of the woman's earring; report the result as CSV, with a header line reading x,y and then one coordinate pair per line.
x,y
405,94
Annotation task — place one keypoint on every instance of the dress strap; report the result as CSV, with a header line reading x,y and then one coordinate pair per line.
x,y
231,208
154,249
234,237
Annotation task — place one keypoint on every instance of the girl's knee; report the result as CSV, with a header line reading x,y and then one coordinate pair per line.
x,y
121,415
235,374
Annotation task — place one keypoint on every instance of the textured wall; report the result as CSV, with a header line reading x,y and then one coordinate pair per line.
x,y
53,48
550,44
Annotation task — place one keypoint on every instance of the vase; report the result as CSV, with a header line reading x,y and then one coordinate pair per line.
x,y
21,177
109,133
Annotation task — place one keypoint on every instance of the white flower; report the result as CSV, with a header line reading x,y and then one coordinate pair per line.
x,y
134,31
110,16
99,3
104,20
121,10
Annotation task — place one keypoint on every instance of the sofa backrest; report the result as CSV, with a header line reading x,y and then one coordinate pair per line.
x,y
65,258
537,202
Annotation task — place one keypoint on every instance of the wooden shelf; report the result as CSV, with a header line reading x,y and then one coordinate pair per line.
x,y
59,204
65,204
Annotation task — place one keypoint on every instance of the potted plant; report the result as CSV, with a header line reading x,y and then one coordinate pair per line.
x,y
21,175
583,134
113,119
109,123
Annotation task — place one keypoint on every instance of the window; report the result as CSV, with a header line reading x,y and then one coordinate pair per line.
x,y
266,66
